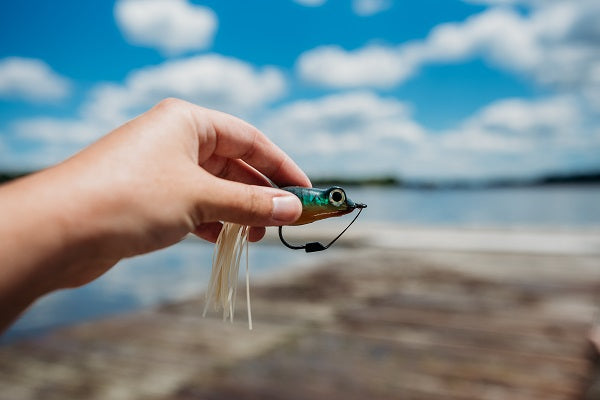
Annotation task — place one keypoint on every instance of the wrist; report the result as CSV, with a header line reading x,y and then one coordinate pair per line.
x,y
45,244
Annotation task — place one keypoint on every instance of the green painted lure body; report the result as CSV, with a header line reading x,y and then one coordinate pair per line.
x,y
319,204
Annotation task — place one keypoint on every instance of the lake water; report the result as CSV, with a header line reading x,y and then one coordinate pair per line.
x,y
183,270
557,206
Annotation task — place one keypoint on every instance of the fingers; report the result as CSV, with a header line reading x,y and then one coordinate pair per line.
x,y
237,139
234,170
210,232
256,233
223,200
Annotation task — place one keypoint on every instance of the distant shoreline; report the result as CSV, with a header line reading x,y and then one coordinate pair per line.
x,y
579,178
583,178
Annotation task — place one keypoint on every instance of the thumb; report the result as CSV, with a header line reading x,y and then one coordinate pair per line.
x,y
246,204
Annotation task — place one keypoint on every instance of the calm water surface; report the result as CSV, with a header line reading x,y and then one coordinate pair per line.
x,y
183,270
559,206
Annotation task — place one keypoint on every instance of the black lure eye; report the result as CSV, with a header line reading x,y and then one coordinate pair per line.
x,y
337,197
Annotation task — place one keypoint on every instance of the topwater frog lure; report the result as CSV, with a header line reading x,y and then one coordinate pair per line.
x,y
319,204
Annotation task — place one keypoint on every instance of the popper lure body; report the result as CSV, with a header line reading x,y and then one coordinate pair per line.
x,y
319,204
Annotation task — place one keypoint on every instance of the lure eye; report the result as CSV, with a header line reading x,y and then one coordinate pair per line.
x,y
337,197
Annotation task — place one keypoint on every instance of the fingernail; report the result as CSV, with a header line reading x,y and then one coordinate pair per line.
x,y
286,208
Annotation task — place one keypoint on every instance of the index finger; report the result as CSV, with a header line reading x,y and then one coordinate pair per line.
x,y
237,139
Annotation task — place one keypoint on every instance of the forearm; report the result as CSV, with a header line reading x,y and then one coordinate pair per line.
x,y
176,169
39,242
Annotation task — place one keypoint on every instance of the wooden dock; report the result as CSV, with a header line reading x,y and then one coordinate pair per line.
x,y
373,323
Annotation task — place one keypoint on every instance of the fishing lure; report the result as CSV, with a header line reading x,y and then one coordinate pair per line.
x,y
319,204
222,286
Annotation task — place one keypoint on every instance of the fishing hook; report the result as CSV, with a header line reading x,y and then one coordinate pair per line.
x,y
317,246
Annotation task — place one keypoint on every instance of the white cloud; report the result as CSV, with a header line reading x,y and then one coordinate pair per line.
x,y
212,81
557,45
44,141
361,133
556,114
357,114
591,92
172,26
519,127
510,2
495,2
363,8
59,131
499,34
325,134
367,8
310,3
508,137
32,80
374,66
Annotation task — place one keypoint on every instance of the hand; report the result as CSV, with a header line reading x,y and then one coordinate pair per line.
x,y
176,169
150,166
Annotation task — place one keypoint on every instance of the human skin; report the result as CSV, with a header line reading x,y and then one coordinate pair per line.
x,y
174,170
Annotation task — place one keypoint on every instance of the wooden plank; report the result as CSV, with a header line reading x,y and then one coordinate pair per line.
x,y
374,324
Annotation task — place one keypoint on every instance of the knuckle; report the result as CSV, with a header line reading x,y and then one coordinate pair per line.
x,y
256,207
225,170
171,104
199,215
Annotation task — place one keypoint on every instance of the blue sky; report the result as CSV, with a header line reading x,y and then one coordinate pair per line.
x,y
428,89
